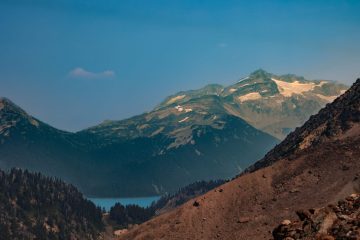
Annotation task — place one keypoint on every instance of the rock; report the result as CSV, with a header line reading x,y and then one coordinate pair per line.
x,y
326,237
294,190
302,214
354,196
289,238
345,167
243,220
120,232
286,222
196,204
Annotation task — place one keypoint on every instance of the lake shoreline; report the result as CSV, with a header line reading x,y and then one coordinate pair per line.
x,y
107,203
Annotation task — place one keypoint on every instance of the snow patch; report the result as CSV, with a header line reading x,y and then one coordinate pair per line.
x,y
287,89
231,90
179,108
249,97
175,99
242,79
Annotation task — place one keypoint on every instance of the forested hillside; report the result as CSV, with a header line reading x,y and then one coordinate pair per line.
x,y
36,207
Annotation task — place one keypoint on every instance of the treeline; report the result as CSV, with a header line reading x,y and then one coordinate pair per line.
x,y
36,207
134,214
130,214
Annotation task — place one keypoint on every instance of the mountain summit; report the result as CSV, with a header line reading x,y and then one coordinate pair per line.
x,y
11,115
274,104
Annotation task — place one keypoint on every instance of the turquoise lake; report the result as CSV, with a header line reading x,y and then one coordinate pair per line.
x,y
107,203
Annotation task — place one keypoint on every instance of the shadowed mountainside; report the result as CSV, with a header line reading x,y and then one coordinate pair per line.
x,y
129,167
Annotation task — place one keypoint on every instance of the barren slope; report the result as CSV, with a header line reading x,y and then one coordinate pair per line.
x,y
250,206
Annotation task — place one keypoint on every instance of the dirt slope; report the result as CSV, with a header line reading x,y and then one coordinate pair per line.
x,y
252,205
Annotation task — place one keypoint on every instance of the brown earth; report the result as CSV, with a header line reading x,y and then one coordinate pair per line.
x,y
313,167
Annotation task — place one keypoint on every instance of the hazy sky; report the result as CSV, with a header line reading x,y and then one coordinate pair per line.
x,y
75,63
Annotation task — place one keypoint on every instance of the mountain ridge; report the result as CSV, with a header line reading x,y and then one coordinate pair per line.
x,y
163,164
293,98
251,205
165,149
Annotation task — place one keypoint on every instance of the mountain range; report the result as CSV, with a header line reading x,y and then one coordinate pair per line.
x,y
314,166
210,133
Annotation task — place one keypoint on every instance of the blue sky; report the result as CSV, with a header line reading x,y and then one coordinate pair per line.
x,y
75,63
